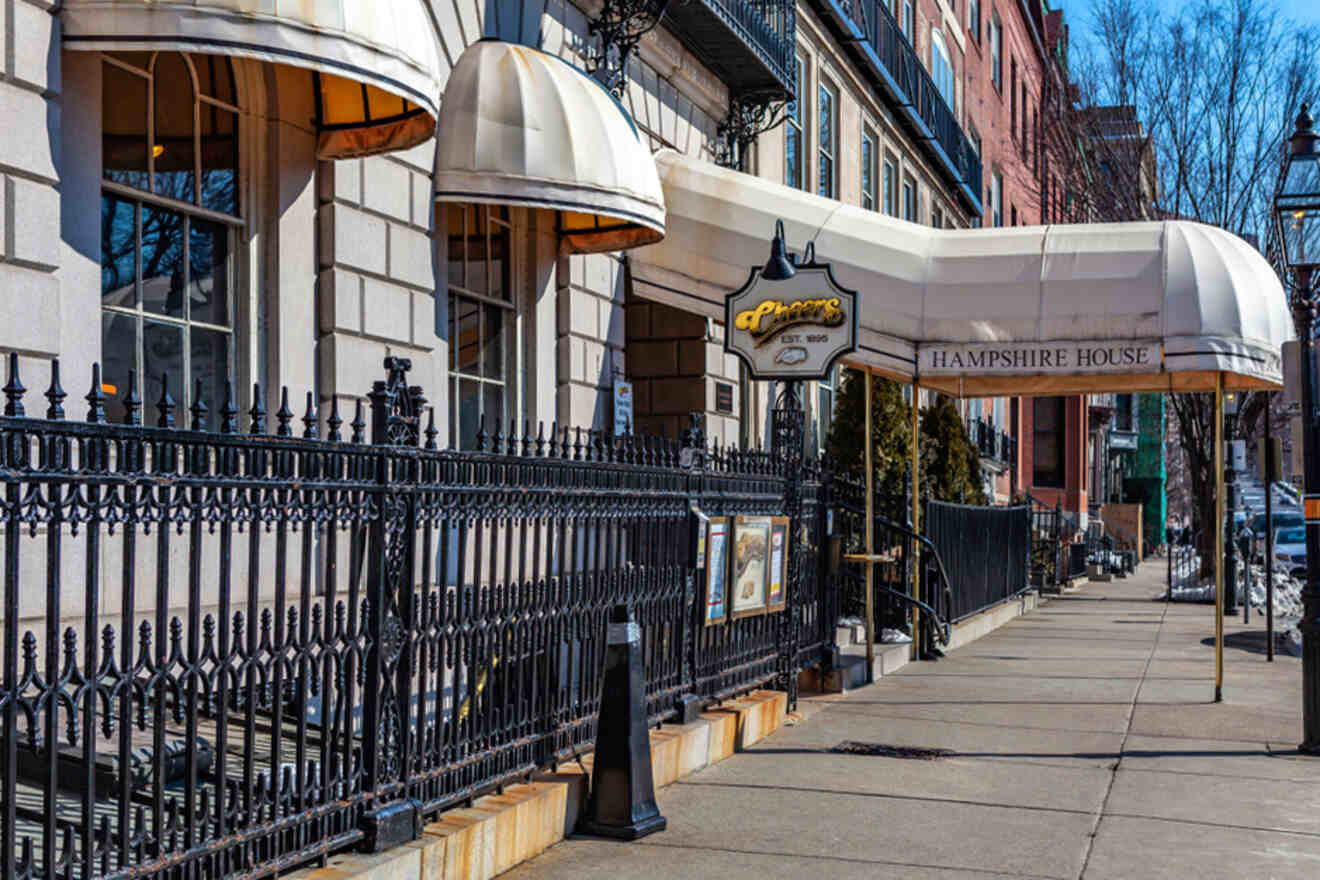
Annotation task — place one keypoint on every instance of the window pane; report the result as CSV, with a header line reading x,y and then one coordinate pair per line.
x,y
868,181
466,336
492,406
219,159
792,159
493,343
826,121
469,412
497,256
209,351
208,285
124,126
215,77
118,252
173,148
162,354
162,261
118,356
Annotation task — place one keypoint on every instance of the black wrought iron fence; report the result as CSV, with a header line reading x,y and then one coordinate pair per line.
x,y
1047,563
985,551
226,653
902,552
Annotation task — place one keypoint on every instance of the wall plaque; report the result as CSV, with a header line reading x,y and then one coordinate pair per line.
x,y
723,397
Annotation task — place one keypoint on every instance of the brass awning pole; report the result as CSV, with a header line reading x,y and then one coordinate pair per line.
x,y
1219,537
870,534
914,463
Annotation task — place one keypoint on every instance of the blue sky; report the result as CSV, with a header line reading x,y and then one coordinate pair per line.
x,y
1306,11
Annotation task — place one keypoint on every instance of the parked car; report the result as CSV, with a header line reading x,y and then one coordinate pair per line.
x,y
1290,550
1280,520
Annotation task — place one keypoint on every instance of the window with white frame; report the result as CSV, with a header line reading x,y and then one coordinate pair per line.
x,y
794,175
481,317
997,199
909,22
974,18
941,69
170,217
826,140
889,185
909,199
996,52
826,392
868,169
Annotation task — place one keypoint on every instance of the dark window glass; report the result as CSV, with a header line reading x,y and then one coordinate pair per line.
x,y
118,252
208,259
162,261
209,366
1048,426
118,356
162,355
124,146
173,150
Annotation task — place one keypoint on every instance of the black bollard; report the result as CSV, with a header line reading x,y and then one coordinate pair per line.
x,y
622,803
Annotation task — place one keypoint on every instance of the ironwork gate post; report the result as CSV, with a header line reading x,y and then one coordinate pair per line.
x,y
1057,541
788,422
692,457
393,816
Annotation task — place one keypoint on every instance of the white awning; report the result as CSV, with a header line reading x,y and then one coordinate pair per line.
x,y
521,127
378,68
1070,309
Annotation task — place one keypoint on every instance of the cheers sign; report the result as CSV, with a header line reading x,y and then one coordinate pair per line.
x,y
791,329
773,316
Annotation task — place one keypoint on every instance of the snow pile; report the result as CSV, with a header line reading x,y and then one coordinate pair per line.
x,y
1190,587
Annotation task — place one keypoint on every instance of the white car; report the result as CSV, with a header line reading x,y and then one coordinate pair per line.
x,y
1290,550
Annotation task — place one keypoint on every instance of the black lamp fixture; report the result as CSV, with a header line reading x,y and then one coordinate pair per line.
x,y
1297,215
780,265
1297,203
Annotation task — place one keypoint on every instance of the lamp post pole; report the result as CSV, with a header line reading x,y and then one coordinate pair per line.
x,y
1297,224
1304,319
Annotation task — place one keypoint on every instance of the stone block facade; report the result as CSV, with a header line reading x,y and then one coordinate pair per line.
x,y
31,319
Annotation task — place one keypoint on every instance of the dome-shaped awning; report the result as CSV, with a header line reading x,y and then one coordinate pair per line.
x,y
1062,309
377,65
520,127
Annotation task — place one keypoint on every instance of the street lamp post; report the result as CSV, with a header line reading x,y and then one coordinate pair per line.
x,y
1297,215
1230,508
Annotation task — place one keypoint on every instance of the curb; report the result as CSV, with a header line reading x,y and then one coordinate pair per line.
x,y
500,831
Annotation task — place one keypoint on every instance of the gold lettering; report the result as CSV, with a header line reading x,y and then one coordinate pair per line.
x,y
773,317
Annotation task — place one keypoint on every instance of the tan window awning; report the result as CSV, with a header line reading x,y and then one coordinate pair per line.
x,y
975,312
520,127
377,65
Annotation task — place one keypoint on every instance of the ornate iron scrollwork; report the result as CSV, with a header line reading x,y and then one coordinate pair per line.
x,y
749,117
620,24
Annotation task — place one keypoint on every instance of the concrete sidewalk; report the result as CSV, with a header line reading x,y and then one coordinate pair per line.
x,y
1087,746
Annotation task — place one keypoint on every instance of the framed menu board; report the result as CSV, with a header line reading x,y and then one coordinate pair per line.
x,y
776,590
717,569
749,562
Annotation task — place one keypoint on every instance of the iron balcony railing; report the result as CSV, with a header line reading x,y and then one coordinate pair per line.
x,y
878,40
227,652
749,44
991,442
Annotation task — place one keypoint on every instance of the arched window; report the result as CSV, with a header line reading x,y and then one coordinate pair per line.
x,y
941,68
169,213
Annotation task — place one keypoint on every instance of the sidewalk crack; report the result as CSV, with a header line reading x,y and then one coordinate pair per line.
x,y
1122,747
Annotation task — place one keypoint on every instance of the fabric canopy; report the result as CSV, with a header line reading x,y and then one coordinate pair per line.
x,y
1083,308
378,68
525,128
